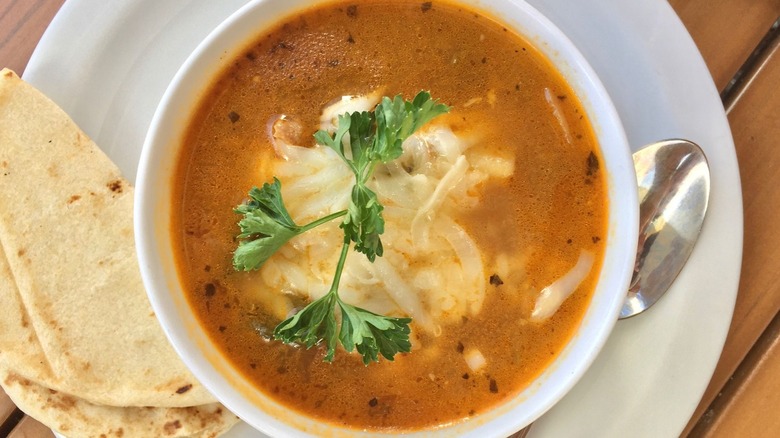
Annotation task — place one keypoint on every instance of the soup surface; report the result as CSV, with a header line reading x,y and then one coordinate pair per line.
x,y
527,193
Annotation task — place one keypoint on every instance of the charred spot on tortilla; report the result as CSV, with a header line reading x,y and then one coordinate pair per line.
x,y
115,186
171,427
184,389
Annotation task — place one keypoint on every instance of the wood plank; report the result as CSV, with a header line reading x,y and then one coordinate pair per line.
x,y
755,125
748,403
726,31
22,22
31,428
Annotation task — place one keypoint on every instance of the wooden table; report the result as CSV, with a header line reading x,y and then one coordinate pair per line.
x,y
740,42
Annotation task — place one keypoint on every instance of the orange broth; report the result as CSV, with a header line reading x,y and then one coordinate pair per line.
x,y
553,207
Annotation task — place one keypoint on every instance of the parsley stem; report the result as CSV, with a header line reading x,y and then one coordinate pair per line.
x,y
322,220
367,172
339,268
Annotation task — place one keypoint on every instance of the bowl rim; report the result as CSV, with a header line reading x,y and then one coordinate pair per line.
x,y
170,307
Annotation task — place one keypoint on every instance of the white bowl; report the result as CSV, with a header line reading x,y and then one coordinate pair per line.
x,y
153,212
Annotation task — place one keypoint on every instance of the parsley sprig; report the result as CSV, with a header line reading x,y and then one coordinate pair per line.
x,y
362,140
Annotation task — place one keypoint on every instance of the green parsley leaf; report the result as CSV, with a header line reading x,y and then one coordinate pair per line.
x,y
372,333
266,226
314,323
396,120
269,200
364,222
337,141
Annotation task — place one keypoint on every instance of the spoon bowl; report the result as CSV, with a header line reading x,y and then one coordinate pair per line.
x,y
673,180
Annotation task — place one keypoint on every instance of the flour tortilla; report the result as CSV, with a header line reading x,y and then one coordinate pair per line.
x,y
18,341
76,418
67,232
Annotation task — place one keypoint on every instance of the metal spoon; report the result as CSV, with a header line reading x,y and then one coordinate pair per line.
x,y
674,186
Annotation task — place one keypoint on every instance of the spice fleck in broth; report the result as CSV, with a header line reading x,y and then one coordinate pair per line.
x,y
513,171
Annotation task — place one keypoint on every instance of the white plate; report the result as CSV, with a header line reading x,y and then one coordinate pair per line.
x,y
108,63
